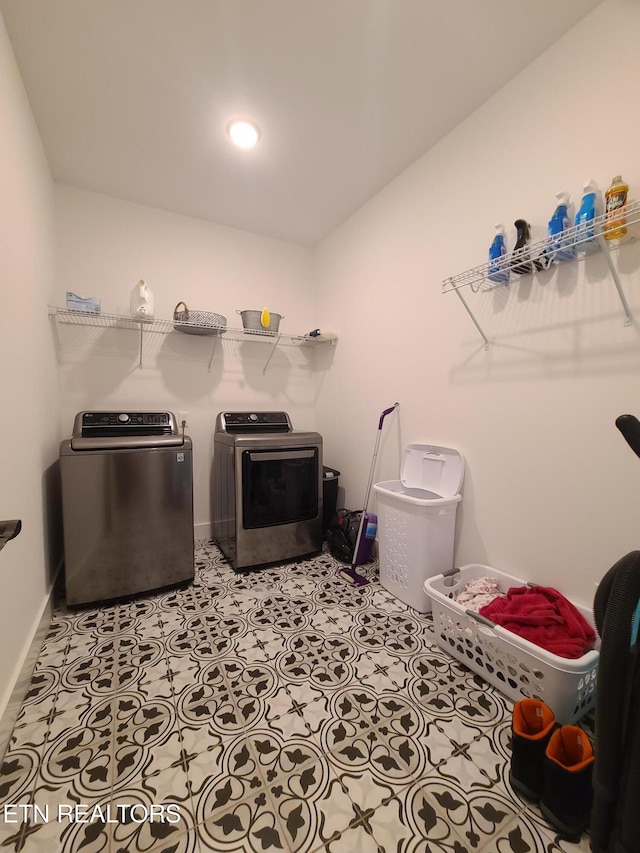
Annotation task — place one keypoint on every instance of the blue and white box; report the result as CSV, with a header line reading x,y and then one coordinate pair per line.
x,y
87,304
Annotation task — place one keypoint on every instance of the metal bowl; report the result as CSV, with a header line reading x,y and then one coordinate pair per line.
x,y
251,321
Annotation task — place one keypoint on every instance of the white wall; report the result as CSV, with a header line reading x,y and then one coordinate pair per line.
x,y
28,383
552,491
105,246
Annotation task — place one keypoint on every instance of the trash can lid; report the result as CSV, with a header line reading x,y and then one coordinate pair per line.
x,y
329,473
432,468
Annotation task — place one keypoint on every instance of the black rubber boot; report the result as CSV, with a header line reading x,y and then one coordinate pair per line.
x,y
567,791
532,724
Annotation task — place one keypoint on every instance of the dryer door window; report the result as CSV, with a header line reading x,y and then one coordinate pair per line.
x,y
279,486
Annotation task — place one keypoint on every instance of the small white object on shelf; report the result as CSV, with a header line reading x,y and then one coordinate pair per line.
x,y
141,306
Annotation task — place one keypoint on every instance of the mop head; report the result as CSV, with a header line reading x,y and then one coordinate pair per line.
x,y
353,577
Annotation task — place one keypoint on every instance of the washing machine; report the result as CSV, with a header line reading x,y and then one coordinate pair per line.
x,y
127,504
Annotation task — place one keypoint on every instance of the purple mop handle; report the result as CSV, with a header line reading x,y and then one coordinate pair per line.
x,y
387,412
375,455
367,494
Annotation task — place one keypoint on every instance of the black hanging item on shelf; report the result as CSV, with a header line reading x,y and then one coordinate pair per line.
x,y
521,260
543,261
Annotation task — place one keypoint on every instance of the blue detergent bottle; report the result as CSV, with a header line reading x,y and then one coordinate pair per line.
x,y
498,268
585,231
559,247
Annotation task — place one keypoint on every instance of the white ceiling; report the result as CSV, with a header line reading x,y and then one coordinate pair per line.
x,y
132,97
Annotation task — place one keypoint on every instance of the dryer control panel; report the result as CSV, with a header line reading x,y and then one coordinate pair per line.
x,y
248,422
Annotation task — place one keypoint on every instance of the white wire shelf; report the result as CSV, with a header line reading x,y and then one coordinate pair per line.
x,y
165,327
208,331
537,256
576,243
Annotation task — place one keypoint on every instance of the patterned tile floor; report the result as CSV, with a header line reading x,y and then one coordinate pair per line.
x,y
281,709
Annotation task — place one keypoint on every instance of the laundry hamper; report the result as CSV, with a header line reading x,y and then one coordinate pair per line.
x,y
517,668
417,520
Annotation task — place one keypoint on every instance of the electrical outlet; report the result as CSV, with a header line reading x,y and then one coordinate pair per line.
x,y
183,416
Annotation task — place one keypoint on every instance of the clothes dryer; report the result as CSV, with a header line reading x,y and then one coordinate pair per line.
x,y
267,489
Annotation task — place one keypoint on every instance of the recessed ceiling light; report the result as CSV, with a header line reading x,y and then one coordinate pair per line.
x,y
243,132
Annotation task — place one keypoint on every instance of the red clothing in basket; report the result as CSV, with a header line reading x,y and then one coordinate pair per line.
x,y
543,616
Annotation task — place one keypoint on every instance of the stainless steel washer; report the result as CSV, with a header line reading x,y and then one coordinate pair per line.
x,y
267,488
127,501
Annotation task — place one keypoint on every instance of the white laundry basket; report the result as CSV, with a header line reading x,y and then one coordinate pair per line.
x,y
517,668
416,521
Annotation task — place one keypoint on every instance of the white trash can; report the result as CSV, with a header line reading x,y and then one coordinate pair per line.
x,y
416,521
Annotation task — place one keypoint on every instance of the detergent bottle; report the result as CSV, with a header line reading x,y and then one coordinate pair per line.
x,y
142,303
615,201
521,264
560,248
584,231
498,270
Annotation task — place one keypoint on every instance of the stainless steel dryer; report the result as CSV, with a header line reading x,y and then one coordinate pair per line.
x,y
267,488
127,502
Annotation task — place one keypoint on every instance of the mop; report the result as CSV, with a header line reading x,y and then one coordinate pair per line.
x,y
366,519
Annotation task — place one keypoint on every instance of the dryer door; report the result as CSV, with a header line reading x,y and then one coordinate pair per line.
x,y
279,486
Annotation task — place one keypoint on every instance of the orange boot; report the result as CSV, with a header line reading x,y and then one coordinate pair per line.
x,y
531,727
567,791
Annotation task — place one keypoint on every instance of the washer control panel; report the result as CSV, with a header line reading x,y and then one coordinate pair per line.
x,y
118,420
118,425
118,430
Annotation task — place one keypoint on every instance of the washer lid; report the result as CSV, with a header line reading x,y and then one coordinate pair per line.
x,y
432,468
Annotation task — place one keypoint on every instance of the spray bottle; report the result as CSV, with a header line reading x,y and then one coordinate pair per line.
x,y
498,270
142,303
559,249
585,232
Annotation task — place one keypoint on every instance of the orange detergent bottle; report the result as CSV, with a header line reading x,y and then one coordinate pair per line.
x,y
615,203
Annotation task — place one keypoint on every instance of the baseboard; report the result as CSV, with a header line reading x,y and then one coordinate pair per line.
x,y
21,686
202,530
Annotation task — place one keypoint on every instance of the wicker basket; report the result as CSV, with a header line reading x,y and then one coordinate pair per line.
x,y
251,322
198,322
